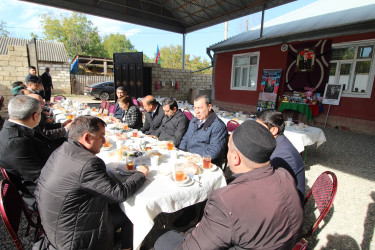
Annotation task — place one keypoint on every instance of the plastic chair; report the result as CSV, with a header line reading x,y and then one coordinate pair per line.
x,y
58,98
135,102
323,190
4,173
188,114
112,109
11,208
301,245
232,125
103,104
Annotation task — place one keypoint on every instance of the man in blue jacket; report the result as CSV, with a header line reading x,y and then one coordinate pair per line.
x,y
207,134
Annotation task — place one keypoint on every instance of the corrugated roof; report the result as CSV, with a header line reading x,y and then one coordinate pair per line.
x,y
51,51
324,18
47,51
5,41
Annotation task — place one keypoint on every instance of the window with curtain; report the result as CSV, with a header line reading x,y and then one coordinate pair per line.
x,y
245,71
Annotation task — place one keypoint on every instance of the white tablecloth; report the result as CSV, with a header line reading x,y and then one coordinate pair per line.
x,y
308,136
161,194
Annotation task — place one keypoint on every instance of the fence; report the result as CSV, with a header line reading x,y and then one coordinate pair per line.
x,y
78,82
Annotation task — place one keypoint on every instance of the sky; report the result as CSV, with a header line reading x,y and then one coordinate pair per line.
x,y
23,18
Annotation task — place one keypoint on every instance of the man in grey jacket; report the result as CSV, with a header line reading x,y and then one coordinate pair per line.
x,y
260,209
77,198
174,124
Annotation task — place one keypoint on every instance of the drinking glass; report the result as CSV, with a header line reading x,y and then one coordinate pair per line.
x,y
170,145
135,132
207,161
179,174
130,163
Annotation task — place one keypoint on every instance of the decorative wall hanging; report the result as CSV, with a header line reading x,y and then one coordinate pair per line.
x,y
315,76
156,85
268,89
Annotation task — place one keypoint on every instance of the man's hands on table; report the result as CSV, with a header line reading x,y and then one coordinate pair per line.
x,y
143,169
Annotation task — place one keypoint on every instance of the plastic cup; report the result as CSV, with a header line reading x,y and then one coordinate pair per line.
x,y
119,144
207,162
154,160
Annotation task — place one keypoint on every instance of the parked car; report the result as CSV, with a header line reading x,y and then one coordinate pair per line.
x,y
101,90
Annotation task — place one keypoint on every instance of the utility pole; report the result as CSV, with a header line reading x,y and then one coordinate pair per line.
x,y
226,31
247,24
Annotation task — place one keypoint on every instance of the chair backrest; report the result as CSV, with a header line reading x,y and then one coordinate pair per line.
x,y
140,103
11,208
188,114
112,109
323,190
58,98
301,245
135,102
4,173
103,104
232,125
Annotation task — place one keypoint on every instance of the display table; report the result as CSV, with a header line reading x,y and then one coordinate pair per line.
x,y
308,110
300,138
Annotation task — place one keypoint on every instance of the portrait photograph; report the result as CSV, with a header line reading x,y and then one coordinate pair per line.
x,y
305,60
332,94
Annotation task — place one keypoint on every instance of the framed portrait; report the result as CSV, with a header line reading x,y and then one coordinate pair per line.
x,y
332,94
305,60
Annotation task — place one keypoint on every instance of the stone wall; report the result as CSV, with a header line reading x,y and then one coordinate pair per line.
x,y
185,78
13,67
60,73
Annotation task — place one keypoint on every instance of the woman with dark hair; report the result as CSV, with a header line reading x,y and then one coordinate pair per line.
x,y
130,114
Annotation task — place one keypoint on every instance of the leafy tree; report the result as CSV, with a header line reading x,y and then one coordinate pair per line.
x,y
171,57
33,35
75,31
3,31
147,59
116,43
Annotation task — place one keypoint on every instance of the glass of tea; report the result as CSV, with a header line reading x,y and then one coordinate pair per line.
x,y
125,126
170,145
179,174
130,165
135,132
207,162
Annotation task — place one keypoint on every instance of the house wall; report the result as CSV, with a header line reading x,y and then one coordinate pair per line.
x,y
355,114
13,67
60,73
185,78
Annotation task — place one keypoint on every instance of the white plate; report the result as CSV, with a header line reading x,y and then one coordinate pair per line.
x,y
107,148
213,168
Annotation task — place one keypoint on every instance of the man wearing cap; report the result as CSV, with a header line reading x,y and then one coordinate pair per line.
x,y
285,154
260,209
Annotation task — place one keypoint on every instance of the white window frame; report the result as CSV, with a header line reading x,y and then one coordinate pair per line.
x,y
232,87
371,73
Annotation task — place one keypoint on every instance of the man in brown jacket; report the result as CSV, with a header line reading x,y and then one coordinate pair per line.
x,y
260,209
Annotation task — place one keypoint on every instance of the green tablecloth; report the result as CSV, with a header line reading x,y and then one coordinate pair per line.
x,y
302,108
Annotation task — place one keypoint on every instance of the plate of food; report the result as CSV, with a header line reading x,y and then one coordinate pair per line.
x,y
107,146
190,168
154,152
194,158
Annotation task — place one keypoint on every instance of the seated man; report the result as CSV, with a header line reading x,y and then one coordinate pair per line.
x,y
174,125
24,151
32,85
207,134
285,154
260,209
51,130
120,92
17,87
154,115
77,198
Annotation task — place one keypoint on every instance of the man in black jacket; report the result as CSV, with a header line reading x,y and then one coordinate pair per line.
x,y
74,192
24,151
154,115
47,85
174,124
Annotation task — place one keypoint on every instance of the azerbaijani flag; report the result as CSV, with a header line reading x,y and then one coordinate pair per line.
x,y
157,58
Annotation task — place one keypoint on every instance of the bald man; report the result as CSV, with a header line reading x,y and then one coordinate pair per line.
x,y
154,115
51,130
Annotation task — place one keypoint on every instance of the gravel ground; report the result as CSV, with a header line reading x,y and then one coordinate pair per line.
x,y
350,223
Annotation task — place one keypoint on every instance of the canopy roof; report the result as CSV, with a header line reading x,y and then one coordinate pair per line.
x,y
180,16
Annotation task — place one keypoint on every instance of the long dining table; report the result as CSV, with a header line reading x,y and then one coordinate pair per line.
x,y
160,193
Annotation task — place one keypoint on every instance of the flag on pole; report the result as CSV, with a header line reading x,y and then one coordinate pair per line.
x,y
157,58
